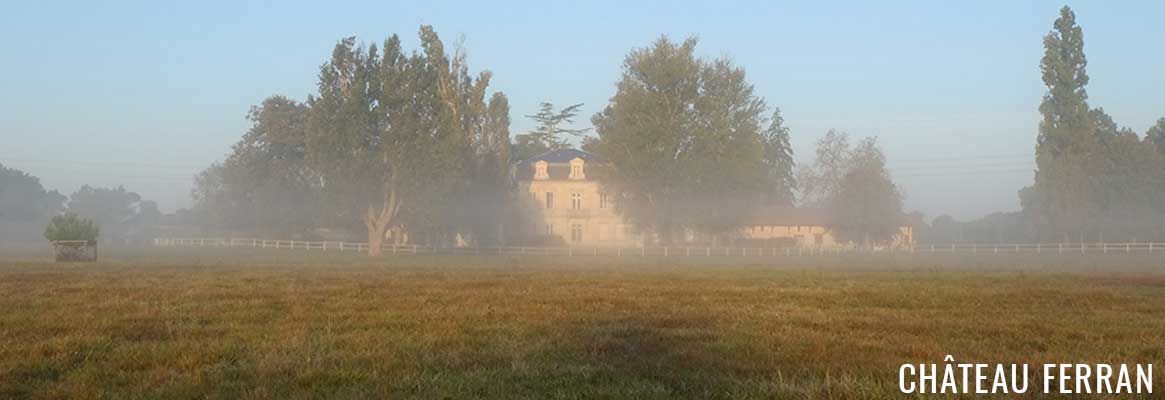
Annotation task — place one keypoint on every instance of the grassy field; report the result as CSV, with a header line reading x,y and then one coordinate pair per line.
x,y
295,325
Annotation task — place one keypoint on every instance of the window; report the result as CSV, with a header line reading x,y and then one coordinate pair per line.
x,y
575,201
549,199
602,200
603,232
576,233
540,170
549,229
576,169
818,238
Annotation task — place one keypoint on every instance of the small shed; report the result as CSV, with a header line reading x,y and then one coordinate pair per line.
x,y
74,250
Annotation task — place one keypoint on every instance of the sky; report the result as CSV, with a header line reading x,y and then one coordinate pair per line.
x,y
146,94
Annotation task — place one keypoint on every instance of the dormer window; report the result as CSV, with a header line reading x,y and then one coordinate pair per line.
x,y
540,170
576,169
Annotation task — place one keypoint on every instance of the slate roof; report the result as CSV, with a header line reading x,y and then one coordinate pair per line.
x,y
563,156
559,164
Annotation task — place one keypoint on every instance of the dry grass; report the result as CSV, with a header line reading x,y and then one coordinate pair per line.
x,y
278,325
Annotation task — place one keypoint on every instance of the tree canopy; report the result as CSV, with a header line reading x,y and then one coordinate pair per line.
x,y
862,202
686,139
23,199
395,137
264,185
69,226
549,133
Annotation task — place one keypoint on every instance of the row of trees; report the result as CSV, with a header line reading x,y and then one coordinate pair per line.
x,y
25,206
1095,179
409,143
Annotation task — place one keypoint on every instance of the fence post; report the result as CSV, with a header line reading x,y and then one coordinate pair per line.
x,y
570,251
1150,247
1126,248
665,251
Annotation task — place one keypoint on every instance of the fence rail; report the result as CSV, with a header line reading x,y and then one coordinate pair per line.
x,y
395,249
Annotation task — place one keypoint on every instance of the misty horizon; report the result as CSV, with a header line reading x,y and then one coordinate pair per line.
x,y
954,106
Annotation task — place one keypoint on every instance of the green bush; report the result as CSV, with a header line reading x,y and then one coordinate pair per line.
x,y
69,226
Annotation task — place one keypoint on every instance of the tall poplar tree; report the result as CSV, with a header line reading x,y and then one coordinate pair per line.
x,y
1063,199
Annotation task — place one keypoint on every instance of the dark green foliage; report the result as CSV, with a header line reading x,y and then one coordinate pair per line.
x,y
686,139
1094,179
548,135
69,226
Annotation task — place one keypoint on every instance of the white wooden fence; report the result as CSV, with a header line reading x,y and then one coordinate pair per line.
x,y
393,249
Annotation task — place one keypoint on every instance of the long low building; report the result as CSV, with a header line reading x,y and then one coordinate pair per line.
x,y
566,206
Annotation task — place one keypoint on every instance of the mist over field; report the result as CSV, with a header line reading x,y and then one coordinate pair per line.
x,y
408,138
578,200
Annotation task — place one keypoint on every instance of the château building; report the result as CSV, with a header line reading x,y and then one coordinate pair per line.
x,y
564,204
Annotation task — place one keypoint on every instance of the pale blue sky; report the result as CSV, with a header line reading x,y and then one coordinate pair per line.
x,y
145,94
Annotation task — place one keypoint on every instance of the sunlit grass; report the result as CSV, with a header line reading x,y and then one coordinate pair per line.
x,y
278,326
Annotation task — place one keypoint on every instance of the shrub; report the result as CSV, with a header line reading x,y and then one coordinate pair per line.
x,y
69,226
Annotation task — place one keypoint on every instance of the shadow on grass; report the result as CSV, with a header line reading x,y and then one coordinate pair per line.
x,y
656,355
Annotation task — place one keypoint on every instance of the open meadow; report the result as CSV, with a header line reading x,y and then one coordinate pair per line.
x,y
184,323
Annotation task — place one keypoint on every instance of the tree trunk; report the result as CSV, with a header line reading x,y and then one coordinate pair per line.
x,y
377,221
375,239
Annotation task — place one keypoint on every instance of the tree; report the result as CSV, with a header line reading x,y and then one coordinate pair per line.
x,y
527,146
264,185
1156,135
866,206
23,199
113,208
684,138
486,204
1094,178
818,182
69,226
392,136
1063,200
548,135
778,160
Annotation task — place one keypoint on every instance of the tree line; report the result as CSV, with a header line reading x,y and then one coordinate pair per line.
x,y
408,145
26,206
1095,180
